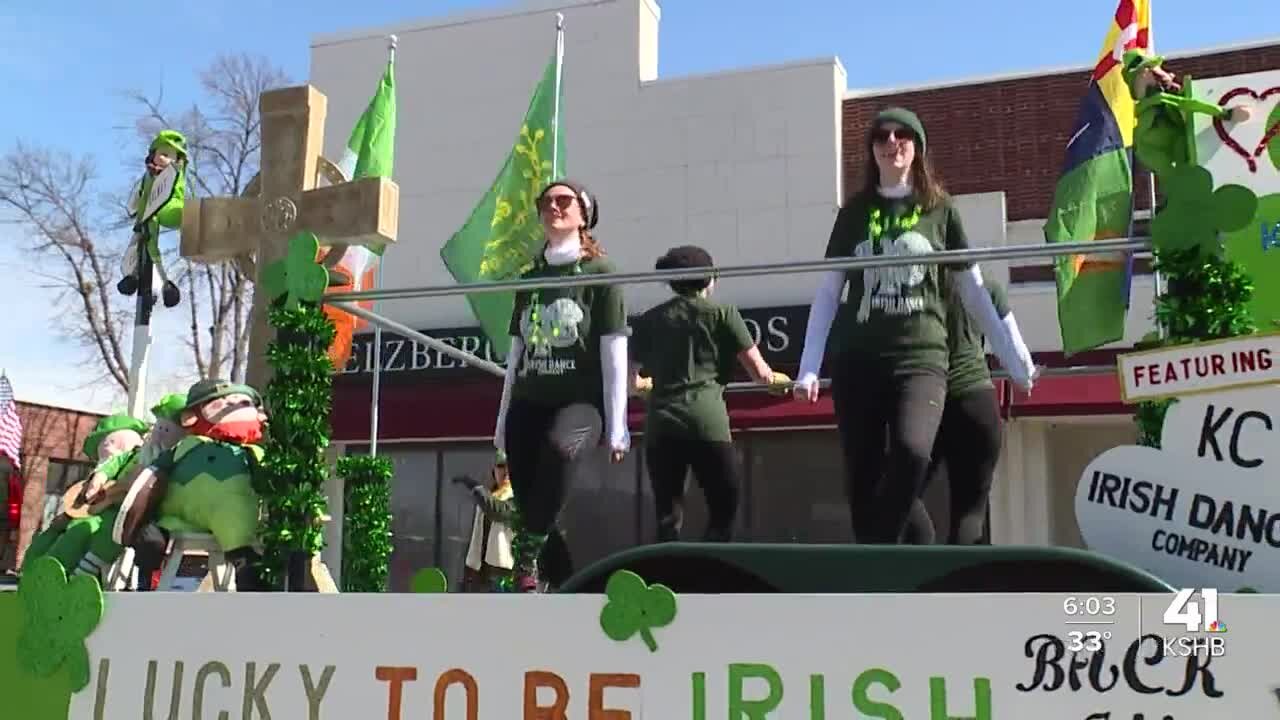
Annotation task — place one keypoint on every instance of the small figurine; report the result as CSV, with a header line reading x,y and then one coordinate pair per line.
x,y
1161,140
168,150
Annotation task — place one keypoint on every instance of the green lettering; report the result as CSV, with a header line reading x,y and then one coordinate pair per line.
x,y
863,703
175,695
817,698
743,709
100,696
255,691
213,667
938,700
315,693
699,696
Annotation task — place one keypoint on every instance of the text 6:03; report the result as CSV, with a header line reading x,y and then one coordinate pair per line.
x,y
1089,606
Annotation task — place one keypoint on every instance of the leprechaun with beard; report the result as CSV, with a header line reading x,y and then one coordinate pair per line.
x,y
205,483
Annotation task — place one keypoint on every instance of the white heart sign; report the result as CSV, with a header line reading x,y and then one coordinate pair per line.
x,y
1202,511
1240,153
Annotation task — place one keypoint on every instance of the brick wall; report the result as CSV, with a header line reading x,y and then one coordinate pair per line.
x,y
48,433
1011,134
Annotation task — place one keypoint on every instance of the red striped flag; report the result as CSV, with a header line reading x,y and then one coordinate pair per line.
x,y
10,424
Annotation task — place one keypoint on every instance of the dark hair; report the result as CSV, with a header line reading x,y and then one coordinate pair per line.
x,y
924,181
590,207
684,257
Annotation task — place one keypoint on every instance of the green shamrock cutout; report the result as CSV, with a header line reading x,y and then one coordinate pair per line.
x,y
1195,213
1273,145
297,275
60,615
429,580
633,607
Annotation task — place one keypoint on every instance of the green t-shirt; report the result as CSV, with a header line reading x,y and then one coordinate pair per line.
x,y
689,345
968,369
561,329
896,316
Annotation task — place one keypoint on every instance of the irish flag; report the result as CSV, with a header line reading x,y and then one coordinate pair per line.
x,y
1094,196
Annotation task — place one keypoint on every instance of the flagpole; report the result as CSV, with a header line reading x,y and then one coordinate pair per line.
x,y
555,115
1157,281
377,329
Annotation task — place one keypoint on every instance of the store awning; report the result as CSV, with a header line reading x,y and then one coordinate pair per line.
x,y
466,409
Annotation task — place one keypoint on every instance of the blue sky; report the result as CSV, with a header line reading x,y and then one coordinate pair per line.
x,y
63,66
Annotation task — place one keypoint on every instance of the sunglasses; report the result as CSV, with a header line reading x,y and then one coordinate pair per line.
x,y
562,202
884,135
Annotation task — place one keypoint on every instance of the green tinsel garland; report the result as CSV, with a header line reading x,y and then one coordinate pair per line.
x,y
292,477
366,525
1206,297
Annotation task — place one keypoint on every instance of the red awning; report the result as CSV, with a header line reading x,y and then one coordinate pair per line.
x,y
466,408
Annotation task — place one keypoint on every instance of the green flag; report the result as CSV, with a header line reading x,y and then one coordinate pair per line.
x,y
371,149
504,234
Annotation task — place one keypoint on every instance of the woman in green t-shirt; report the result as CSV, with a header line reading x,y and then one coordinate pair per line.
x,y
688,346
566,381
888,333
967,447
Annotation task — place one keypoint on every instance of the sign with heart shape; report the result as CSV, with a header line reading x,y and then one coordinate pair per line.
x,y
1204,509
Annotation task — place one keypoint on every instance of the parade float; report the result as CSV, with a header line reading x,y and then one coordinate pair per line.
x,y
680,630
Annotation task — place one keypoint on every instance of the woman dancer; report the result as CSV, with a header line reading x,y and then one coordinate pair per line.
x,y
889,340
967,447
688,345
566,370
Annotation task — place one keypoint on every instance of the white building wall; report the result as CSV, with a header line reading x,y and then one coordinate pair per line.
x,y
744,163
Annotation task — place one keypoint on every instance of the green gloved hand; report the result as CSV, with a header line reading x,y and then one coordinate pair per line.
x,y
779,384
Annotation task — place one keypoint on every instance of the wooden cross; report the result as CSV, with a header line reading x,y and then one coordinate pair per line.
x,y
361,212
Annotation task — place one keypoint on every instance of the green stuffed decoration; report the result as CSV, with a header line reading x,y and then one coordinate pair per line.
x,y
1161,139
1195,213
297,277
204,484
167,154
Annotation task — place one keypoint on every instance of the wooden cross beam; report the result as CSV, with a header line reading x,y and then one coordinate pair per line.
x,y
360,212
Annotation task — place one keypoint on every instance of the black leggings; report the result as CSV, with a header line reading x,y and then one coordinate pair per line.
x,y
669,457
883,483
967,450
545,445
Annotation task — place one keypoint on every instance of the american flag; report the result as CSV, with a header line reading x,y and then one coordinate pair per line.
x,y
10,424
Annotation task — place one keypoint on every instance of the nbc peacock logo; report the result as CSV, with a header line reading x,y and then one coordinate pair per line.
x,y
1217,626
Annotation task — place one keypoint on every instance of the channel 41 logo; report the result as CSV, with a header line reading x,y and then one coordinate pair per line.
x,y
1185,611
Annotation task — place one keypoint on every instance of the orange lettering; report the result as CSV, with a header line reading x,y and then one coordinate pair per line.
x,y
595,699
468,686
535,679
397,676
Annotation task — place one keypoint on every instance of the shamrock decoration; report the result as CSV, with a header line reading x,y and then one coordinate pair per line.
x,y
297,275
635,607
429,580
1195,213
60,614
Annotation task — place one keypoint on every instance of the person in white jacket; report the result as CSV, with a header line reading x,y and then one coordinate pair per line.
x,y
567,375
887,326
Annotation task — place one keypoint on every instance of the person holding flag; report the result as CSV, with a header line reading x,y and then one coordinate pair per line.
x,y
566,380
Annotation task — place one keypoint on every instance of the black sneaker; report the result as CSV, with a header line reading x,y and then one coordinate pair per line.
x,y
128,285
171,295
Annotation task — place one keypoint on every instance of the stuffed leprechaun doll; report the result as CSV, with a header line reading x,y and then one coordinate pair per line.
x,y
205,483
68,537
169,149
1160,139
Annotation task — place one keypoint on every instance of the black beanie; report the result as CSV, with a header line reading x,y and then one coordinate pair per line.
x,y
905,118
586,201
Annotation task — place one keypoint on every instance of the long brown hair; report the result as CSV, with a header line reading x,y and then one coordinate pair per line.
x,y
590,246
925,184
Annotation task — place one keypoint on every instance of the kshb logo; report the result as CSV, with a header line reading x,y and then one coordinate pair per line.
x,y
1186,612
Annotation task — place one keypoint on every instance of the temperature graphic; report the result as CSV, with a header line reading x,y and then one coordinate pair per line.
x,y
1090,641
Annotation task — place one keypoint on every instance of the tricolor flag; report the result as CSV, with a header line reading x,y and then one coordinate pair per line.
x,y
1094,196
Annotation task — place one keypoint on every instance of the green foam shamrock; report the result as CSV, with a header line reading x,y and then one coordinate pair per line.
x,y
633,607
1273,145
429,580
297,275
60,614
1256,248
1196,213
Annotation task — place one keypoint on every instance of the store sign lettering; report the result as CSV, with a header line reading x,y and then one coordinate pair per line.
x,y
778,332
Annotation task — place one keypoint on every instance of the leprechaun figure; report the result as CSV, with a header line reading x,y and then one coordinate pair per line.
x,y
205,483
1160,139
68,537
168,149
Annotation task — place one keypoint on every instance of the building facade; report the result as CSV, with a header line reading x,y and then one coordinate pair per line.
x,y
52,459
750,164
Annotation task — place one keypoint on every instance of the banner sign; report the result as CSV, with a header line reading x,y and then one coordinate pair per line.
x,y
1204,509
778,332
746,657
1199,367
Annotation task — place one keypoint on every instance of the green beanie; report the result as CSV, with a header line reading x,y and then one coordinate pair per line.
x,y
903,117
1134,62
108,425
173,139
170,407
